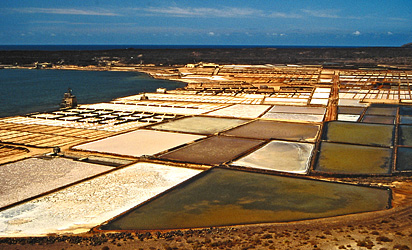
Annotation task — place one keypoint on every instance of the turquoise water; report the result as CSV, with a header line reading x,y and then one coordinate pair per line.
x,y
25,91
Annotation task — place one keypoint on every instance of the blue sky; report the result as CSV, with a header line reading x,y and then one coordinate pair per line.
x,y
224,22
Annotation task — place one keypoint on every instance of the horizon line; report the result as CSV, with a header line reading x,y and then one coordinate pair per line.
x,y
211,45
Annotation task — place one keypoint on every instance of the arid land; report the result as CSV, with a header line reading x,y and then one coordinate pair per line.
x,y
328,57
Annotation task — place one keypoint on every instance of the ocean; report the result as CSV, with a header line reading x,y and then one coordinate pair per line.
x,y
24,91
131,46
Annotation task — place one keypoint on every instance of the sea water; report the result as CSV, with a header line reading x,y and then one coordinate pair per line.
x,y
24,91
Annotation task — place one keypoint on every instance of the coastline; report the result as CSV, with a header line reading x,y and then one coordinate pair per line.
x,y
46,95
149,70
364,229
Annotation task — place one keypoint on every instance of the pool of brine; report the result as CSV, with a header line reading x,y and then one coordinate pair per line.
x,y
223,197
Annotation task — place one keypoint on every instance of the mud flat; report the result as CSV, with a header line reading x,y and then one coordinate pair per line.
x,y
79,208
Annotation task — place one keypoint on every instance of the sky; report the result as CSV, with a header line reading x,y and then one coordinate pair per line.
x,y
205,22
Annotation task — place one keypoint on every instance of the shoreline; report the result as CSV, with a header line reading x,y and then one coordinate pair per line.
x,y
148,70
372,227
85,100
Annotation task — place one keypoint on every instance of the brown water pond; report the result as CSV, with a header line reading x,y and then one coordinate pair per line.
x,y
213,150
350,110
263,129
383,110
379,119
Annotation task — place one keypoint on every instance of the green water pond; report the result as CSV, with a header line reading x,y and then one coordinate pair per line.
x,y
359,133
222,197
353,159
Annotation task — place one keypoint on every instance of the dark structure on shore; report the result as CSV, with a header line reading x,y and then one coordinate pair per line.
x,y
69,100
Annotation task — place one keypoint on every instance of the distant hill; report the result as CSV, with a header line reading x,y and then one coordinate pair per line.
x,y
356,57
408,45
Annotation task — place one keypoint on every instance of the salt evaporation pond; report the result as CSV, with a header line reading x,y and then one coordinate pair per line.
x,y
382,110
241,110
80,207
200,125
353,159
348,117
359,133
294,117
405,119
139,142
223,197
404,159
379,119
213,150
405,135
263,129
350,110
282,156
298,109
405,110
27,178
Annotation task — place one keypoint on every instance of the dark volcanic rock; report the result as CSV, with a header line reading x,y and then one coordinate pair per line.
x,y
368,56
408,45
